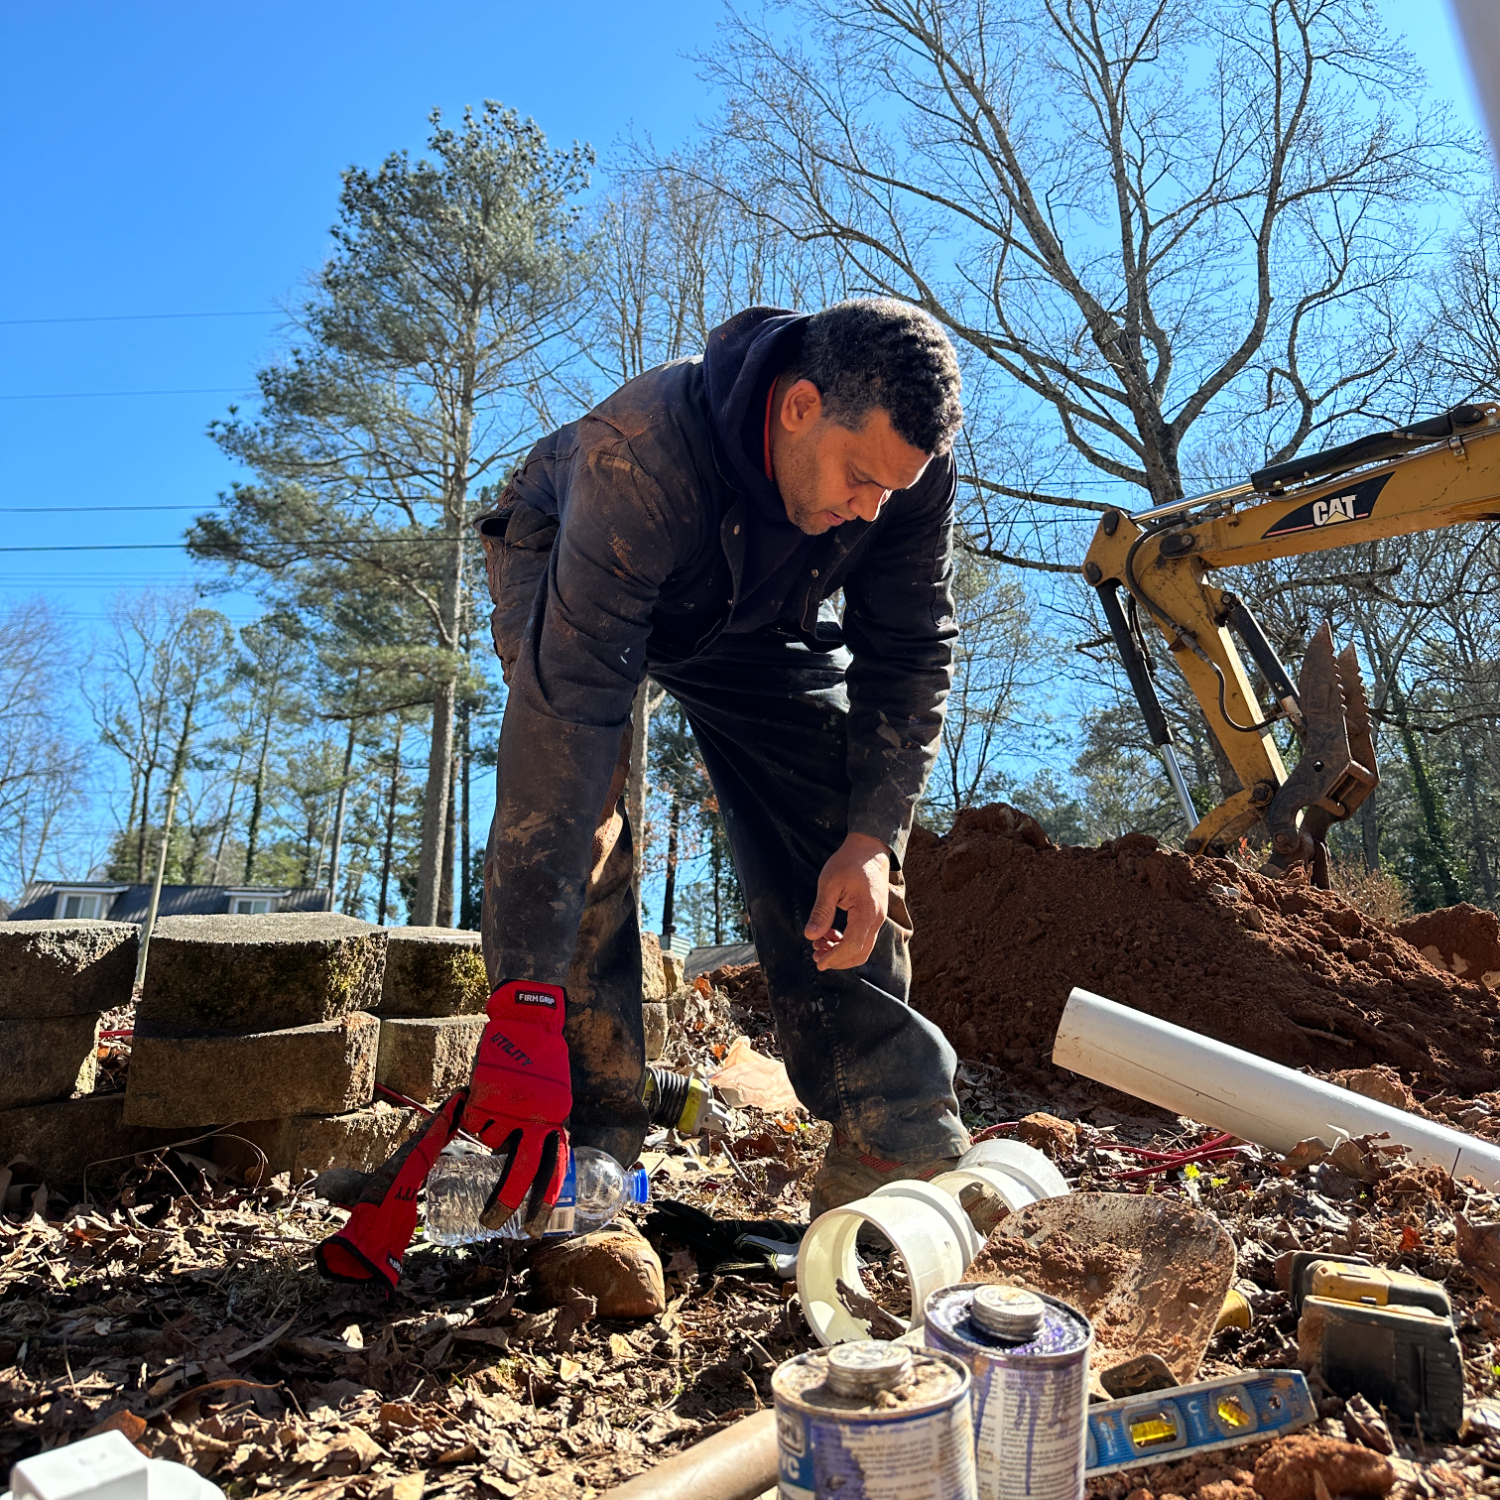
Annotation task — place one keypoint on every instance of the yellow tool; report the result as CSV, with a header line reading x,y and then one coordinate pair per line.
x,y
1375,1286
1432,474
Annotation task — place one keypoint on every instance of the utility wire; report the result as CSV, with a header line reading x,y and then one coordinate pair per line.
x,y
260,312
69,510
198,390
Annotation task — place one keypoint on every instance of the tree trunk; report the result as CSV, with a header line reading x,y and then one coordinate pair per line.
x,y
1481,844
669,890
445,893
1427,798
257,803
635,785
467,917
1369,832
390,827
338,817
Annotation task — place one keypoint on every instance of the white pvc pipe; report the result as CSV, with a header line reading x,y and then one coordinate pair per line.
x,y
1254,1099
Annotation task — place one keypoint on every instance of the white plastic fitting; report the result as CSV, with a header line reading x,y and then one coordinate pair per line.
x,y
1019,1173
107,1467
1254,1099
924,1224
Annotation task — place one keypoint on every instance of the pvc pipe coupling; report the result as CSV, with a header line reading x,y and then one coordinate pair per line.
x,y
926,1226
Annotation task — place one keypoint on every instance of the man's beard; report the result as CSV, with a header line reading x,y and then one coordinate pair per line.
x,y
797,479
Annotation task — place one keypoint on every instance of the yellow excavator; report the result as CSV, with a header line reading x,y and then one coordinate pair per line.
x,y
1151,571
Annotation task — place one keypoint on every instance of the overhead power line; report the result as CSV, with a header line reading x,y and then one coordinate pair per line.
x,y
69,510
200,390
259,312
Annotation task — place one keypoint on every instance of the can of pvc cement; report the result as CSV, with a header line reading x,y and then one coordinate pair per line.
x,y
869,1420
1028,1355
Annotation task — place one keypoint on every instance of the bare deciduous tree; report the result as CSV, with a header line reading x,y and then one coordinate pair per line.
x,y
1171,231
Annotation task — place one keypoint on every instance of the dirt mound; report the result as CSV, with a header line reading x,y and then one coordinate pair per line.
x,y
1007,923
1463,939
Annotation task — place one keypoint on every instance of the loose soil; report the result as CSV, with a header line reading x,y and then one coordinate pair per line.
x,y
1007,923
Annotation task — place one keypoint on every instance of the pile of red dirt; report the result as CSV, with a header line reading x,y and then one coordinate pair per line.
x,y
1007,923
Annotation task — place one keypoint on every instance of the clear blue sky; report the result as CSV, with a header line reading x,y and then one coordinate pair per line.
x,y
183,159
175,158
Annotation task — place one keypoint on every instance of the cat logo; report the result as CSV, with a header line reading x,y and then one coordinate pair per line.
x,y
1326,512
1315,514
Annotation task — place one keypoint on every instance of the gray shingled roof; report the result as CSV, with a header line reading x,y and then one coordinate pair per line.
x,y
39,900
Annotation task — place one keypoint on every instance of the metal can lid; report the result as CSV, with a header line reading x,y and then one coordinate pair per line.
x,y
1008,1312
862,1367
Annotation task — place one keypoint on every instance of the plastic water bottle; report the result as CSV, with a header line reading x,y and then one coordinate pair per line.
x,y
594,1191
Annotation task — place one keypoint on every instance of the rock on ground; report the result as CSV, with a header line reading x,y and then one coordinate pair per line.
x,y
65,968
1007,923
615,1266
310,1144
653,972
1290,1468
260,973
433,971
427,1058
75,1140
47,1059
326,1069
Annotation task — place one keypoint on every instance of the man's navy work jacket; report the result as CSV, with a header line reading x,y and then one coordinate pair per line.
x,y
620,542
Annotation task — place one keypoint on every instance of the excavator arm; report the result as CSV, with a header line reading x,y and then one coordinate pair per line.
x,y
1152,569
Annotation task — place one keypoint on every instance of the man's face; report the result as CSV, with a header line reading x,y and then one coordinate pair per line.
x,y
829,474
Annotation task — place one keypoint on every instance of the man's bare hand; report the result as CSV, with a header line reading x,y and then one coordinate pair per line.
x,y
857,879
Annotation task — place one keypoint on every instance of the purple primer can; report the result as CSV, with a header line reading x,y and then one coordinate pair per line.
x,y
1028,1355
868,1420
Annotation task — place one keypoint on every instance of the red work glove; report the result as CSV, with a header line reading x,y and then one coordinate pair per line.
x,y
370,1245
520,1095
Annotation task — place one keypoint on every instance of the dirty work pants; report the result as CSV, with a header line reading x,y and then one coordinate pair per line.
x,y
770,720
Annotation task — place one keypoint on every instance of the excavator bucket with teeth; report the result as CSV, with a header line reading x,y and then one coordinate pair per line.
x,y
1337,770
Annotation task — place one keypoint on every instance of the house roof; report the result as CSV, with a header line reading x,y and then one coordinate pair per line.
x,y
39,900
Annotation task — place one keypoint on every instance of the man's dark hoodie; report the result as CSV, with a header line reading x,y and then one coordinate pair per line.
x,y
634,537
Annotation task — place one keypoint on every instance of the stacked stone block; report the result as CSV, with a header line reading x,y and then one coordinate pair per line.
x,y
56,978
261,1027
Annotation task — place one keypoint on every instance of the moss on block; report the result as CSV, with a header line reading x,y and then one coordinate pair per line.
x,y
260,973
434,971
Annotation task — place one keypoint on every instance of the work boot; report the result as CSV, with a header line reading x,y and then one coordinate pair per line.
x,y
848,1173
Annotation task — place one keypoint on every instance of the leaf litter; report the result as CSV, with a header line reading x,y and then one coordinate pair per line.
x,y
184,1308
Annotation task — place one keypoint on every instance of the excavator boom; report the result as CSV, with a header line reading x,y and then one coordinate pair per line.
x,y
1153,568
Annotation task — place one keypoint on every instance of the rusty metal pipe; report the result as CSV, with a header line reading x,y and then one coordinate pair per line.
x,y
736,1464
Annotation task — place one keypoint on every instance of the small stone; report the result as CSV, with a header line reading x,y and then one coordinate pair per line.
x,y
47,1059
427,1058
615,1266
653,974
260,974
654,1018
310,1144
1048,1134
77,1140
65,968
434,971
672,971
327,1069
1380,1083
1290,1468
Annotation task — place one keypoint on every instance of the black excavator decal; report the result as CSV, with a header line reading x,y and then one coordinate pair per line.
x,y
1353,505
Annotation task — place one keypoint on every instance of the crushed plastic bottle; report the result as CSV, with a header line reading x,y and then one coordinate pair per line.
x,y
594,1191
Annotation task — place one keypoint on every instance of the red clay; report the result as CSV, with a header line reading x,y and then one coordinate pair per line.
x,y
1007,923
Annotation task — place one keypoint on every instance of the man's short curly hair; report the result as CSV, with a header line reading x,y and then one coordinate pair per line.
x,y
873,352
